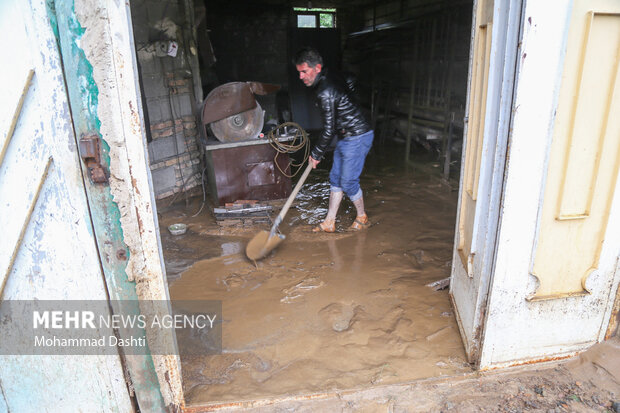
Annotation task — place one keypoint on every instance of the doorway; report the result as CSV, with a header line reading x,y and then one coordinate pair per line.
x,y
326,311
344,310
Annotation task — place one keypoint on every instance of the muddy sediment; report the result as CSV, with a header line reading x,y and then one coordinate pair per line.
x,y
325,311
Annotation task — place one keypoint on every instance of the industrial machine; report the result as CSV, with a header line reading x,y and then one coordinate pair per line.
x,y
241,165
233,113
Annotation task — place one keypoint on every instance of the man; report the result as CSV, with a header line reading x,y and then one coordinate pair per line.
x,y
343,120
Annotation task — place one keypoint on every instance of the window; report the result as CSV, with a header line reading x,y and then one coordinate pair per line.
x,y
326,20
313,18
306,20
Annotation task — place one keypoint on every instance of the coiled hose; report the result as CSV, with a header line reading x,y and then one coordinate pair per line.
x,y
298,142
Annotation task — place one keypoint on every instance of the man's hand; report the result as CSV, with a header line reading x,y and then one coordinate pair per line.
x,y
314,162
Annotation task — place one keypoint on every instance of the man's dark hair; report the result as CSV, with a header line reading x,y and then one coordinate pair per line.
x,y
309,56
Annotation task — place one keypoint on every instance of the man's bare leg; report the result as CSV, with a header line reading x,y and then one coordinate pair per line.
x,y
329,224
361,221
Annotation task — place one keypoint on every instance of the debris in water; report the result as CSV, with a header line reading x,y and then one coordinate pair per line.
x,y
439,284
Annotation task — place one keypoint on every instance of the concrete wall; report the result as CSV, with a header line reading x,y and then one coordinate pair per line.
x,y
250,43
167,87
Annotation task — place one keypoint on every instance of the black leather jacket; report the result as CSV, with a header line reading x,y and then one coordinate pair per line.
x,y
342,115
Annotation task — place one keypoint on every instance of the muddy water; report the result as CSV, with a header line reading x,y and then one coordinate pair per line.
x,y
326,311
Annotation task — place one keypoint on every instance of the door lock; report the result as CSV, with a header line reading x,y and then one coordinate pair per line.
x,y
90,152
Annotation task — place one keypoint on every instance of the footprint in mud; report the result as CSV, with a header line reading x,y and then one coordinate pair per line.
x,y
338,316
299,289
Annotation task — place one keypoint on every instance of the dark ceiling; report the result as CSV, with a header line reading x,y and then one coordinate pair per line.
x,y
344,4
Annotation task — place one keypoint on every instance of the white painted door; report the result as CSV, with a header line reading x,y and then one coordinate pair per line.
x,y
47,250
495,31
556,266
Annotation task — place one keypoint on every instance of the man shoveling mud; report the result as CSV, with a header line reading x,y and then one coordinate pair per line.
x,y
342,119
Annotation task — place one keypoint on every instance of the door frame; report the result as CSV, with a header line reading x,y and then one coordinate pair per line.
x,y
503,66
100,69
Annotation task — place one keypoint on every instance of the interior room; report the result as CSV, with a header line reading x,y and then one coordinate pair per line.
x,y
322,311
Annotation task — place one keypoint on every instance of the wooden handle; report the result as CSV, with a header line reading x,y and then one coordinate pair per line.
x,y
291,198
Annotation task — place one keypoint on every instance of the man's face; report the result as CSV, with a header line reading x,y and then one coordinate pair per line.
x,y
308,74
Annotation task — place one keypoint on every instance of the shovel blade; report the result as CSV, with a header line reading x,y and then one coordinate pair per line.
x,y
262,244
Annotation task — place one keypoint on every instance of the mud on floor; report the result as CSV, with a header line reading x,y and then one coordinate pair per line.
x,y
324,311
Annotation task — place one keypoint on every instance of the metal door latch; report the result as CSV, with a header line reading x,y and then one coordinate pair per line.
x,y
90,152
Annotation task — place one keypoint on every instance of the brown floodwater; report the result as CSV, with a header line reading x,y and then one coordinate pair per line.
x,y
325,311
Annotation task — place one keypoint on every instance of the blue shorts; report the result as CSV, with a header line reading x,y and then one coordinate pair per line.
x,y
349,158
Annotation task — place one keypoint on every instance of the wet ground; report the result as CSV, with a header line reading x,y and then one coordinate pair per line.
x,y
587,383
348,317
325,311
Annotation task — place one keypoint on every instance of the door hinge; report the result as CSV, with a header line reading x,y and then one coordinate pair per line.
x,y
90,152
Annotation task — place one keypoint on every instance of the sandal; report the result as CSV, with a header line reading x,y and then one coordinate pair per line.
x,y
360,223
325,227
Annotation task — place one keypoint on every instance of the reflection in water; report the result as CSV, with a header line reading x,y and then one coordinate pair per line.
x,y
230,248
326,311
333,251
358,261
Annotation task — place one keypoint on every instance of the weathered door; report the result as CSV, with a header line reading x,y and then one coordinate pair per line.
x,y
535,267
495,31
47,250
556,263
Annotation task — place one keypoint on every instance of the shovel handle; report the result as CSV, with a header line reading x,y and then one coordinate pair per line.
x,y
290,199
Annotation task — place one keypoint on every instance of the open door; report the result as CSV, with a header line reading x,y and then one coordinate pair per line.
x,y
47,251
495,31
535,269
71,104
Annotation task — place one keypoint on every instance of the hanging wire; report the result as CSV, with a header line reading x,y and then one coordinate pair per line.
x,y
299,141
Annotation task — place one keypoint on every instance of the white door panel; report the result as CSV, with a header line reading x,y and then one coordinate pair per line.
x,y
556,271
47,250
535,268
495,33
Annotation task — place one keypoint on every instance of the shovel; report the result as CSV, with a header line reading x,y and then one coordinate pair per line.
x,y
264,242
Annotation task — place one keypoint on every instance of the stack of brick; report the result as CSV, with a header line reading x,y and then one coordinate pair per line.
x,y
167,86
174,152
168,178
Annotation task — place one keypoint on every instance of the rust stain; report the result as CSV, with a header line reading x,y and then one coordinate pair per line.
x,y
134,183
134,118
170,364
613,329
527,362
140,224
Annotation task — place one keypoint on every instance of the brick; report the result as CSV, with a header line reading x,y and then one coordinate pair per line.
x,y
157,165
178,82
162,133
161,125
180,90
164,195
